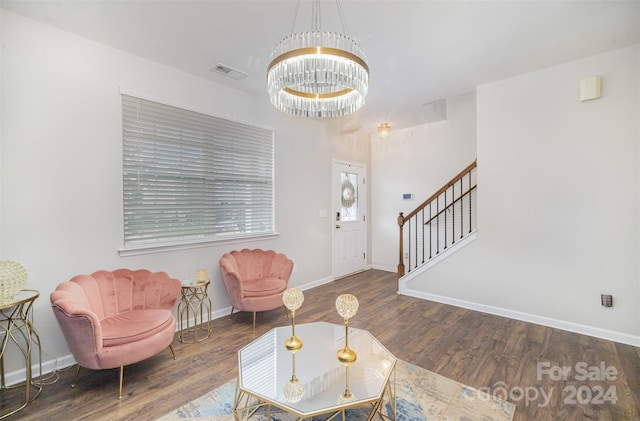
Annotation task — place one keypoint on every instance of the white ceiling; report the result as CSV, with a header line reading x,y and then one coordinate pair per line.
x,y
418,51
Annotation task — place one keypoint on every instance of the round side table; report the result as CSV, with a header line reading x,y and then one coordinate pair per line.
x,y
194,313
16,324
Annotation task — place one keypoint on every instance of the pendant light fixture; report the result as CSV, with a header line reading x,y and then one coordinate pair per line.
x,y
384,130
318,74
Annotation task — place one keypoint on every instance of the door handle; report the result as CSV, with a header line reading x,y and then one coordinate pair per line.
x,y
338,226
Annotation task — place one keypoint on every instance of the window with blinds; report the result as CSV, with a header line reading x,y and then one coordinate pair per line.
x,y
190,177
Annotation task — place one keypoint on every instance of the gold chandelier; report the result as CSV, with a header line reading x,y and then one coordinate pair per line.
x,y
318,74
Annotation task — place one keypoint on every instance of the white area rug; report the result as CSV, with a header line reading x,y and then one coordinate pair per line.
x,y
420,396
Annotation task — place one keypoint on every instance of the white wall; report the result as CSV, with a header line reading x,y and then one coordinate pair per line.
x,y
558,201
61,171
559,182
417,160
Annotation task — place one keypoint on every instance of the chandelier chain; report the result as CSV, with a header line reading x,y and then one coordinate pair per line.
x,y
343,21
316,17
316,24
295,17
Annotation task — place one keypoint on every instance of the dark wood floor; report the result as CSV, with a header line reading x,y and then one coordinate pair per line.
x,y
477,349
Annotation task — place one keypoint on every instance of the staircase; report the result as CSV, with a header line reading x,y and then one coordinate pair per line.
x,y
440,225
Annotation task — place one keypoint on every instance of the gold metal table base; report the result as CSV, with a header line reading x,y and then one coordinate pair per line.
x,y
194,307
246,405
16,326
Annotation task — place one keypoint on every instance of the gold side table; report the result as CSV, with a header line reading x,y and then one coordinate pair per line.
x,y
194,313
16,326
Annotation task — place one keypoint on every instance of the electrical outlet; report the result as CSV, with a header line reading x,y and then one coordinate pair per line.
x,y
606,300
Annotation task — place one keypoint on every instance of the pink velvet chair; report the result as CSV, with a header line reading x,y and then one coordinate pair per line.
x,y
255,279
113,319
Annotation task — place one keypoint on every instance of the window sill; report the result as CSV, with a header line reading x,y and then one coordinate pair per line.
x,y
163,248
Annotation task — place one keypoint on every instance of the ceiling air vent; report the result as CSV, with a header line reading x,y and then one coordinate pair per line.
x,y
227,71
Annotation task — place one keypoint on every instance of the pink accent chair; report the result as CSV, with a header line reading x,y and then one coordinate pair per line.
x,y
113,319
255,279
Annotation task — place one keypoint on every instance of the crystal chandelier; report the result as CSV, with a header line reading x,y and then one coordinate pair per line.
x,y
318,74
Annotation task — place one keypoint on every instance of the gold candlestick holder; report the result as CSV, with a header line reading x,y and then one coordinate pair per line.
x,y
293,299
293,389
346,396
347,307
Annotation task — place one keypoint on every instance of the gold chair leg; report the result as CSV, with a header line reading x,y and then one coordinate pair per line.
x,y
254,322
74,382
231,314
120,388
172,351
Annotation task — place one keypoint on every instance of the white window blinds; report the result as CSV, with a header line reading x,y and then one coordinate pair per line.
x,y
190,177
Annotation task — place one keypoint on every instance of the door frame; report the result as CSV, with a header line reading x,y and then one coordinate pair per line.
x,y
362,197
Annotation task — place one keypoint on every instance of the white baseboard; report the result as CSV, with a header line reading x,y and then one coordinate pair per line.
x,y
317,283
596,332
385,268
49,366
498,311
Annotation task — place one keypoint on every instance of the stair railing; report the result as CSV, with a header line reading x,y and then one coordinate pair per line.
x,y
441,220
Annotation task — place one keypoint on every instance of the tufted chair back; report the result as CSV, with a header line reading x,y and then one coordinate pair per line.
x,y
113,319
255,279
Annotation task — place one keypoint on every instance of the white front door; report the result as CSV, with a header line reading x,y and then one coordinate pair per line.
x,y
349,207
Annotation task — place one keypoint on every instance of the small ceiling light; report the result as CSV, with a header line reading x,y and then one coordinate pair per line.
x,y
384,130
318,74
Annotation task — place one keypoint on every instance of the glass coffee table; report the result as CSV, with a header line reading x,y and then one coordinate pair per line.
x,y
311,381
